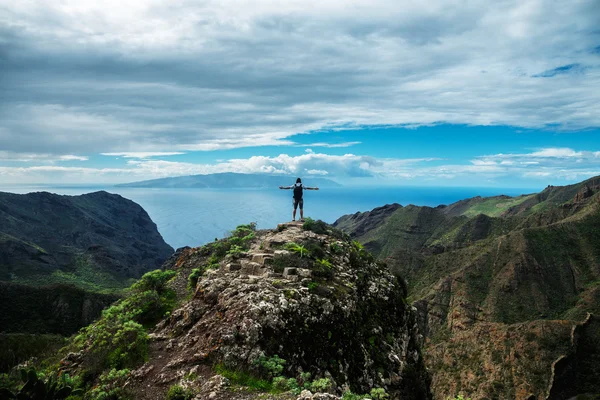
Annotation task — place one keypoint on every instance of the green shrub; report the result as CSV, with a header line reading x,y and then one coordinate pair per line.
x,y
36,387
379,394
176,392
272,366
321,385
318,227
118,339
236,251
297,249
336,248
154,280
111,386
244,378
312,286
351,396
194,277
323,269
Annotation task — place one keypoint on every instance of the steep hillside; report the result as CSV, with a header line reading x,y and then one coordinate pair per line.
x,y
291,313
97,239
63,259
519,271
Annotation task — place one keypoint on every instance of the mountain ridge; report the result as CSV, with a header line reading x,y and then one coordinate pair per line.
x,y
502,264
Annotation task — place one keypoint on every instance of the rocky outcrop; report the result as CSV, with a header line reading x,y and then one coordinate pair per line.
x,y
318,301
42,232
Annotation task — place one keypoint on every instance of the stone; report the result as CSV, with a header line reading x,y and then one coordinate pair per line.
x,y
261,258
290,271
232,267
251,268
304,272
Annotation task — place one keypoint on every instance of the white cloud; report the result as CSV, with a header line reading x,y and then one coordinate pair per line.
x,y
556,152
73,158
330,145
317,172
140,154
546,168
84,77
34,157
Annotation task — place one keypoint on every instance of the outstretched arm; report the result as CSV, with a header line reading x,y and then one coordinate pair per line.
x,y
285,187
309,188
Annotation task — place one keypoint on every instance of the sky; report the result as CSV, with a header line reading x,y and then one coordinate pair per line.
x,y
366,92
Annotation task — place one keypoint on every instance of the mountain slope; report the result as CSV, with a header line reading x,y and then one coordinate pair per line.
x,y
43,235
495,265
228,180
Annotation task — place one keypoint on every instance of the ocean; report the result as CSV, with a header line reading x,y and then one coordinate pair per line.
x,y
192,217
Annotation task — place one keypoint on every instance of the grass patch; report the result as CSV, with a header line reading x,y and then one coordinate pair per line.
x,y
495,206
243,378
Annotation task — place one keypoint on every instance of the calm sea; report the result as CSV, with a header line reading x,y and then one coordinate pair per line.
x,y
192,217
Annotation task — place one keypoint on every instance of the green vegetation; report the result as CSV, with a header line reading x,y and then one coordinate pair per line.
x,y
272,366
318,227
154,280
375,394
323,269
194,276
84,274
244,378
119,340
16,348
111,386
177,392
494,206
270,377
297,249
36,387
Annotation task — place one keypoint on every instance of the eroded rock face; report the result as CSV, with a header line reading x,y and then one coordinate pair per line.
x,y
335,313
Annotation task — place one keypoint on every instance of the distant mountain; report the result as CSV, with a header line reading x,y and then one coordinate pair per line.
x,y
230,180
503,286
47,238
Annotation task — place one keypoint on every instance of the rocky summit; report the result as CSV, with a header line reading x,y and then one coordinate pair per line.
x,y
300,312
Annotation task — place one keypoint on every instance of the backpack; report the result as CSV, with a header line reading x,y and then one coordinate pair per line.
x,y
298,191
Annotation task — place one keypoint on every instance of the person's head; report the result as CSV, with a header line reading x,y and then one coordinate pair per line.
x,y
298,180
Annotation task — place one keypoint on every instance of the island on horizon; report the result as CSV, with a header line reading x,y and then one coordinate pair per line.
x,y
229,180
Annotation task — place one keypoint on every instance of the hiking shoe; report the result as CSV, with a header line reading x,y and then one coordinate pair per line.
x,y
293,219
302,220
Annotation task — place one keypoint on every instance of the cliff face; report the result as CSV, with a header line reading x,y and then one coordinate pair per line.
x,y
41,233
317,301
59,309
499,283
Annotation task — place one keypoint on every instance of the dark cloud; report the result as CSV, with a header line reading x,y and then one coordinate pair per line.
x,y
198,76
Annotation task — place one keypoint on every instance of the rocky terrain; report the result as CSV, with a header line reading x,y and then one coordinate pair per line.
x,y
293,313
504,288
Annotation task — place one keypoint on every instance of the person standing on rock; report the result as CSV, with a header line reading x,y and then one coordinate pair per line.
x,y
298,201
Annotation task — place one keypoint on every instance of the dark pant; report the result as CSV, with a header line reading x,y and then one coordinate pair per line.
x,y
298,202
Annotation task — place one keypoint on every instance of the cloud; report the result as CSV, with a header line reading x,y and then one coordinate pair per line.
x,y
544,165
82,77
142,155
330,145
34,157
